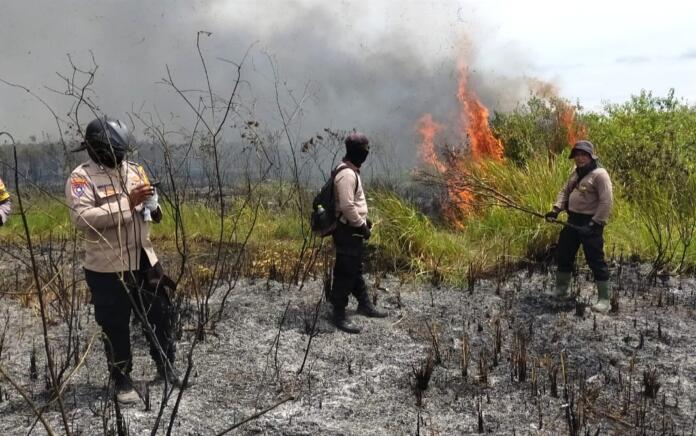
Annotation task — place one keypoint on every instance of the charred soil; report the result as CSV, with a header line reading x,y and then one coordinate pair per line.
x,y
499,358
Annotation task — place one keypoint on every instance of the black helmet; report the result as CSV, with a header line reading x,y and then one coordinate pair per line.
x,y
106,141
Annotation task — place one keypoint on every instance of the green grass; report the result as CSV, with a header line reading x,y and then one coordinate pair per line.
x,y
408,239
45,217
405,239
48,217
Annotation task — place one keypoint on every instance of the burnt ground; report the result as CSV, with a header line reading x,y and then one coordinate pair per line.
x,y
366,384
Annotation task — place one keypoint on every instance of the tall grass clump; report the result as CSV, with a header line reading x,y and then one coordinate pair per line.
x,y
408,240
534,185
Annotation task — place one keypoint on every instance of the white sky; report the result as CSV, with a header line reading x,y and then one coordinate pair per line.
x,y
602,50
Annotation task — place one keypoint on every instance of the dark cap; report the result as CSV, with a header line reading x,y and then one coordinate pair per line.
x,y
585,146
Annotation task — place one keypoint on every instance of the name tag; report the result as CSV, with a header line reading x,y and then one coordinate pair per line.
x,y
106,190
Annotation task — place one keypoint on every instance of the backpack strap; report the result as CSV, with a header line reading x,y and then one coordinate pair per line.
x,y
341,168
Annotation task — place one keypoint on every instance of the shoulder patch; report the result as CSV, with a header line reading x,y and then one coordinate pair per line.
x,y
78,185
4,195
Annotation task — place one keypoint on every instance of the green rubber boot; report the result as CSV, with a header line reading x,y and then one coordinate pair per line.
x,y
603,304
562,285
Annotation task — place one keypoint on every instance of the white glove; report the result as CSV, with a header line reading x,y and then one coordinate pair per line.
x,y
150,205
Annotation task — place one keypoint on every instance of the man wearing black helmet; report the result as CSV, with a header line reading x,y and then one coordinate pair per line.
x,y
352,229
588,198
5,204
107,195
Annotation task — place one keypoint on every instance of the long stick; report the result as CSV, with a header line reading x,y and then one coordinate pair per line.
x,y
479,187
39,288
256,415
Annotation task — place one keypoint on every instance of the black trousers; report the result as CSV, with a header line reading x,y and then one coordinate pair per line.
x,y
348,269
115,296
569,242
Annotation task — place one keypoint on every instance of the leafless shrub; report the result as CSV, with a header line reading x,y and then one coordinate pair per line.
x,y
651,382
479,413
465,355
422,375
534,379
472,276
483,369
497,340
519,355
580,307
552,374
614,302
434,342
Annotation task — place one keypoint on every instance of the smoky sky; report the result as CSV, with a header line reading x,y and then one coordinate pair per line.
x,y
375,75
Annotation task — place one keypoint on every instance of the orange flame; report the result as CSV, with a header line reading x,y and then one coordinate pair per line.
x,y
474,117
574,130
428,129
475,131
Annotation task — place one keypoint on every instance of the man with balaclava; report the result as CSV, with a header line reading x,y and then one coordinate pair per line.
x,y
352,230
107,195
5,204
588,198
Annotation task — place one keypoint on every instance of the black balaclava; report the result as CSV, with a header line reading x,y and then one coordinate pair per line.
x,y
357,148
105,155
587,169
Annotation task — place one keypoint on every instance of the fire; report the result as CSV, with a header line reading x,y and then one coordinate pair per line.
x,y
567,119
475,132
479,143
474,118
428,129
565,113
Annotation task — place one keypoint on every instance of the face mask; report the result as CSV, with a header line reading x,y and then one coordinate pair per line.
x,y
357,156
106,156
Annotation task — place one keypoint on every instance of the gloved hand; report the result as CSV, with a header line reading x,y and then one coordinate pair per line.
x,y
156,215
551,215
366,232
150,205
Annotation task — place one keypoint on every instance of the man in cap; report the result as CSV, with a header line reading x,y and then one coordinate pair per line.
x,y
106,195
588,198
352,230
5,204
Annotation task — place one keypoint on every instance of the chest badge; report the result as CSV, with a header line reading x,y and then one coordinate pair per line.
x,y
107,190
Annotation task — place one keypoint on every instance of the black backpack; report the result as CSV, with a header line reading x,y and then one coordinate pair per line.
x,y
323,218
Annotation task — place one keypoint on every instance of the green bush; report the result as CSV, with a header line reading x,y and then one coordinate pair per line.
x,y
535,128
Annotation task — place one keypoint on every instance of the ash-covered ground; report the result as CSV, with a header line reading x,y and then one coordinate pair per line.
x,y
504,358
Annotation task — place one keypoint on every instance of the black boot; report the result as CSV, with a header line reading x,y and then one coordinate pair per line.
x,y
366,308
341,321
125,393
169,375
